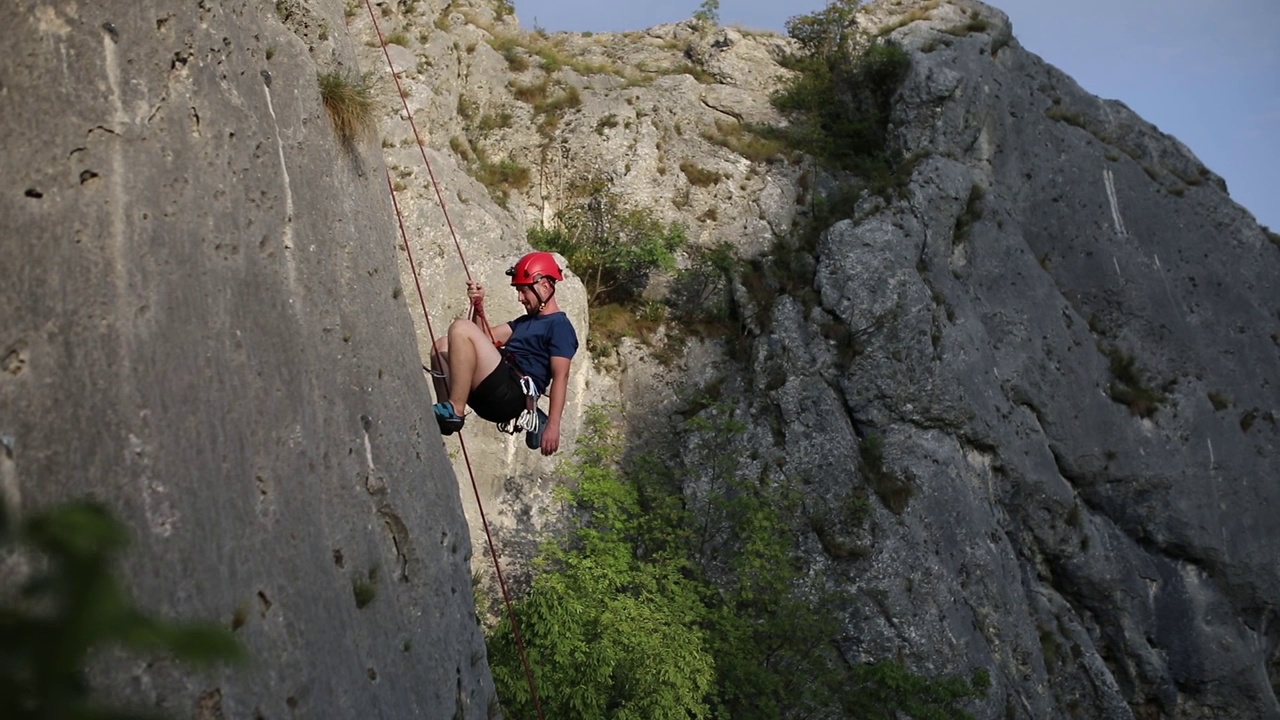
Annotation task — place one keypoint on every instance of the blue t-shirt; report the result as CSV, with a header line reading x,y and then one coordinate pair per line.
x,y
535,339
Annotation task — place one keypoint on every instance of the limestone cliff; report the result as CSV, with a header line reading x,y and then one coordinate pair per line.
x,y
1046,360
204,329
1057,264
1049,356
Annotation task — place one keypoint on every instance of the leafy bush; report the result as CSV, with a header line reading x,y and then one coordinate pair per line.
x,y
73,607
611,634
670,597
613,247
841,96
700,296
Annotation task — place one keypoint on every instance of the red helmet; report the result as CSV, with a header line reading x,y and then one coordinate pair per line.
x,y
533,266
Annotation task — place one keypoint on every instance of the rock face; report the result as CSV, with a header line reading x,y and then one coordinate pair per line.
x,y
1071,361
1048,358
205,330
1051,354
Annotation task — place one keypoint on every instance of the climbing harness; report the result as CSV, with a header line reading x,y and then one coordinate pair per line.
x,y
531,419
476,308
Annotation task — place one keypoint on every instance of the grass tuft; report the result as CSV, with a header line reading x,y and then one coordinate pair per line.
x,y
698,175
972,213
364,588
697,73
741,139
1128,387
1221,401
1272,235
914,15
1067,116
490,122
349,102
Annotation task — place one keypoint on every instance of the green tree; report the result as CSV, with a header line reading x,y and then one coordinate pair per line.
x,y
611,636
613,246
700,293
770,636
666,601
708,13
73,606
828,35
841,95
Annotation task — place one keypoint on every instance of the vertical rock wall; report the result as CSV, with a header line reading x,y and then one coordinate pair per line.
x,y
1070,363
203,328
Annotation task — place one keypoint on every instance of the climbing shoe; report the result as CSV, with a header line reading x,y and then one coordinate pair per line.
x,y
533,438
449,420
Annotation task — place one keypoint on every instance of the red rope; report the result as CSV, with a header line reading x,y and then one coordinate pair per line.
x,y
475,488
478,310
478,316
422,146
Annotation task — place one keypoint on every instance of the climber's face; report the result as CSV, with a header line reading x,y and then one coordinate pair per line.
x,y
529,298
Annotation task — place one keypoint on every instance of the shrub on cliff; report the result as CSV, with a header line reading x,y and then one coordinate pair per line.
x,y
614,247
841,95
668,596
610,632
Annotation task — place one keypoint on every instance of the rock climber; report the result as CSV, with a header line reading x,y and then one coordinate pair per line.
x,y
537,348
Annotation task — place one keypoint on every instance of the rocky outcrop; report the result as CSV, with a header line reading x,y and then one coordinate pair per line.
x,y
205,329
1048,356
1070,361
1045,361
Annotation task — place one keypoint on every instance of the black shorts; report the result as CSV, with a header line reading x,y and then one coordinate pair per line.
x,y
499,397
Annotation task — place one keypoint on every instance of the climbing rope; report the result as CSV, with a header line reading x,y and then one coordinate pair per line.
x,y
477,311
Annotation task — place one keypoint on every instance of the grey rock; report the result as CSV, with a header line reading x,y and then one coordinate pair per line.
x,y
199,284
1098,560
1094,560
402,58
1102,568
737,57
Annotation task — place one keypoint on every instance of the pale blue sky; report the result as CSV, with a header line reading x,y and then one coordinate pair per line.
x,y
1207,73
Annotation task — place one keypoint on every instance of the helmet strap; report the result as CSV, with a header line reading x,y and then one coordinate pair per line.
x,y
542,302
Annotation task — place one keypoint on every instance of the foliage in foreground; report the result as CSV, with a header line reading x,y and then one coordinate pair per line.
x,y
74,605
658,603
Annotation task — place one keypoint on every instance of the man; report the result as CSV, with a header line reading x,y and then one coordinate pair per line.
x,y
538,346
